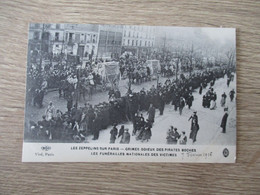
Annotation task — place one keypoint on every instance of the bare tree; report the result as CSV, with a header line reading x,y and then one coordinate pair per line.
x,y
178,59
190,56
230,57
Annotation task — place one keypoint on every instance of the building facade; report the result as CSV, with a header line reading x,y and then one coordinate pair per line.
x,y
81,40
46,37
139,40
110,41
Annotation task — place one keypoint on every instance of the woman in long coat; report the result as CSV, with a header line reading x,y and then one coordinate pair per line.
x,y
194,126
194,131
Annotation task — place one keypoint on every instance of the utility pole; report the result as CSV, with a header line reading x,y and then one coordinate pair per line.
x,y
41,53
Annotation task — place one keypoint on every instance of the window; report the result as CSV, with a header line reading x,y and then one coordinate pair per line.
x,y
57,26
128,42
36,25
129,34
136,43
70,37
133,42
140,43
45,36
82,38
77,38
145,43
56,36
36,35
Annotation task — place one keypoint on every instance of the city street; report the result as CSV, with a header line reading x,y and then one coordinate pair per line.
x,y
35,113
209,121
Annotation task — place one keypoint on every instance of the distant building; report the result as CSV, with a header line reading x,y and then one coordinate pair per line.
x,y
110,41
139,40
57,38
46,37
81,40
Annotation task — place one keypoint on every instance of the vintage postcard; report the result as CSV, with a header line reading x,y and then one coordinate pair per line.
x,y
121,93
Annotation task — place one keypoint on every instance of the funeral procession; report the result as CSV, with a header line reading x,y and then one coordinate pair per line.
x,y
130,85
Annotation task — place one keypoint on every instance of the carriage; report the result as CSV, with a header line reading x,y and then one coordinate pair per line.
x,y
155,68
109,73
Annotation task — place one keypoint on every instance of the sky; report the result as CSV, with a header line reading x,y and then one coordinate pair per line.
x,y
208,39
220,34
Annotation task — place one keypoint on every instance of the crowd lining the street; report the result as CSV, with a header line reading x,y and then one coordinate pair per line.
x,y
79,122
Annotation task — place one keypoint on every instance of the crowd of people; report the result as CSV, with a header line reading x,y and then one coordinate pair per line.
x,y
69,78
79,122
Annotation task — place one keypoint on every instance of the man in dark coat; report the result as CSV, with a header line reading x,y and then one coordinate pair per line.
x,y
224,121
161,103
151,113
96,127
90,118
232,94
181,105
121,131
200,90
190,100
69,103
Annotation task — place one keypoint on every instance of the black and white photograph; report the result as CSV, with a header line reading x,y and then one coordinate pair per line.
x,y
130,93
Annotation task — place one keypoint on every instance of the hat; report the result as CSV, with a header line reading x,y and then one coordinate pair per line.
x,y
226,109
183,132
195,112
